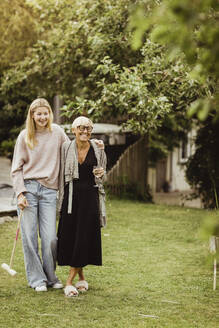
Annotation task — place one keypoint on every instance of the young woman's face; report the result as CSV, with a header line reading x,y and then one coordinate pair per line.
x,y
41,117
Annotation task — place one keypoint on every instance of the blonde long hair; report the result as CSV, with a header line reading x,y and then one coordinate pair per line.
x,y
30,124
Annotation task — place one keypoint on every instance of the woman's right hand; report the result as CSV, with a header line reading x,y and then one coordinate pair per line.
x,y
22,201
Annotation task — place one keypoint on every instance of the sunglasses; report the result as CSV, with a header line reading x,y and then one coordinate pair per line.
x,y
85,127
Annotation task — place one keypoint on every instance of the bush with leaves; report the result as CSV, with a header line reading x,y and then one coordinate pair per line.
x,y
190,28
202,168
18,31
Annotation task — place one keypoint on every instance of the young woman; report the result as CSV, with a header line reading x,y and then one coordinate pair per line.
x,y
35,175
82,205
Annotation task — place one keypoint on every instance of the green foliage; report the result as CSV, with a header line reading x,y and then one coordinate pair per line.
x,y
191,28
202,168
83,52
141,96
210,225
75,38
125,91
12,121
18,31
7,148
64,58
125,189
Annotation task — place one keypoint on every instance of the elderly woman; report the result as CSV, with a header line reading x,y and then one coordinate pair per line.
x,y
82,207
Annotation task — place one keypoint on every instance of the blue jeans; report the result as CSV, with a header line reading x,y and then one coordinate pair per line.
x,y
40,216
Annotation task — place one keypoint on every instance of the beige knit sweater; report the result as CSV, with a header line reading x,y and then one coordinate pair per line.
x,y
41,163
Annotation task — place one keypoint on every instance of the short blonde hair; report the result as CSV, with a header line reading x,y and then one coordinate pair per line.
x,y
30,124
81,120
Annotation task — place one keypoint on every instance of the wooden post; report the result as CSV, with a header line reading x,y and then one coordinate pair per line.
x,y
215,274
143,165
57,104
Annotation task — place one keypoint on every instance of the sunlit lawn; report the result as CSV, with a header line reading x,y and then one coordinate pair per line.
x,y
154,264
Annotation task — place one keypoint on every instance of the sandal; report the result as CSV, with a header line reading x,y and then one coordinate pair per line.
x,y
82,285
70,291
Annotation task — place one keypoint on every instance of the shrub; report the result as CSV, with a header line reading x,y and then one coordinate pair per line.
x,y
7,148
129,190
202,168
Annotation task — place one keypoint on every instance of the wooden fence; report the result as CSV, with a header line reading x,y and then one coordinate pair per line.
x,y
130,169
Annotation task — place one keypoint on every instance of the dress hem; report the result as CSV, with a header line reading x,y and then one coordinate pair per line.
x,y
79,266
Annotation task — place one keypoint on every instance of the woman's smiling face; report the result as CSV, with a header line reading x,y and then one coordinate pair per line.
x,y
41,117
83,132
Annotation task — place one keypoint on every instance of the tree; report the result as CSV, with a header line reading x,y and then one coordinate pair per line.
x,y
202,168
18,31
191,28
84,54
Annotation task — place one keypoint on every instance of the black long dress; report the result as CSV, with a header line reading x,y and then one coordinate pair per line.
x,y
79,236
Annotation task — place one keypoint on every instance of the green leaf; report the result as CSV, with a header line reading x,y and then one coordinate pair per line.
x,y
192,110
204,110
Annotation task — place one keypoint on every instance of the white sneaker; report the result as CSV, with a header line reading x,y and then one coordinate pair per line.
x,y
41,289
57,285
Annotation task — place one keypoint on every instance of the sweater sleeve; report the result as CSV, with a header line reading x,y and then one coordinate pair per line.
x,y
103,163
19,158
64,137
61,174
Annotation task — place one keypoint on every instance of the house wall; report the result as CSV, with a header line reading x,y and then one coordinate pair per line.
x,y
172,169
177,163
178,181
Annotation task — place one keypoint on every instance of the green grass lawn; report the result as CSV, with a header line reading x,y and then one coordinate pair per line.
x,y
153,264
